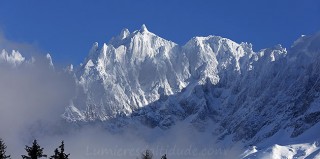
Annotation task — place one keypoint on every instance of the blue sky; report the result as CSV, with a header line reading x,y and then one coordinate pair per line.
x,y
67,28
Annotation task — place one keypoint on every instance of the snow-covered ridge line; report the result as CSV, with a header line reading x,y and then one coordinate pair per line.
x,y
14,58
149,66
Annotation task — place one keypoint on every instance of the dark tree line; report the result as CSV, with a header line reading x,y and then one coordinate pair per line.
x,y
36,151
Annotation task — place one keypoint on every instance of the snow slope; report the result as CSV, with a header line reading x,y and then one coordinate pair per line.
x,y
282,146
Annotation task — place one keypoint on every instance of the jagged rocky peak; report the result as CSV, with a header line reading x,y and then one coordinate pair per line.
x,y
94,47
93,51
130,72
69,68
126,38
49,58
124,33
212,54
218,45
144,29
15,59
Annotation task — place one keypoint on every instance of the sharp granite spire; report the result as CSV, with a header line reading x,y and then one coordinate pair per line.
x,y
124,33
144,28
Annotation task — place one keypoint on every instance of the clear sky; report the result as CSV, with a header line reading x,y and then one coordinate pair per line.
x,y
68,28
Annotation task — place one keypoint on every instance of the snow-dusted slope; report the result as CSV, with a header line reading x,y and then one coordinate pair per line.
x,y
281,145
249,95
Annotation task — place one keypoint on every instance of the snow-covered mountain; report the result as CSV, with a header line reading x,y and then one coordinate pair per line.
x,y
136,69
249,95
267,100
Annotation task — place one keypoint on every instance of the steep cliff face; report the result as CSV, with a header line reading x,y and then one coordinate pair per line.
x,y
249,95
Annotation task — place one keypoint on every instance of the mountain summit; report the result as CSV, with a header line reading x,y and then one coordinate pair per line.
x,y
143,28
248,95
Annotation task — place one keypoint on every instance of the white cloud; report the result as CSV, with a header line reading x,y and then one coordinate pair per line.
x,y
33,97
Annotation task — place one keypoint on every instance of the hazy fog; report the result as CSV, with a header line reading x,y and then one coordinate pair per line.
x,y
33,97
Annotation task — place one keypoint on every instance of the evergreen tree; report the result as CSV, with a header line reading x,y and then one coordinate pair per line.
x,y
3,150
34,152
56,154
60,154
147,155
164,156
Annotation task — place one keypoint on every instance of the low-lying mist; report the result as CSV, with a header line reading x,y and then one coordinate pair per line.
x,y
30,95
33,97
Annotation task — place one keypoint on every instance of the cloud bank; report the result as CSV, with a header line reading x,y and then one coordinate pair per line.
x,y
34,95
